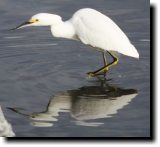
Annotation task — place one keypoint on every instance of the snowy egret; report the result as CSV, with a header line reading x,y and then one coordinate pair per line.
x,y
92,28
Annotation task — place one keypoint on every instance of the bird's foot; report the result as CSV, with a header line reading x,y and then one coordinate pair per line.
x,y
102,71
91,74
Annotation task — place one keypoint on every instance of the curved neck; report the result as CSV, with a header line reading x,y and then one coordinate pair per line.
x,y
63,30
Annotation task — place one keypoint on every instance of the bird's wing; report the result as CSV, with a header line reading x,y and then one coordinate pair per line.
x,y
98,30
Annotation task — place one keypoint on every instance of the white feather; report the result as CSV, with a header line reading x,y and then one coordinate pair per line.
x,y
98,30
89,26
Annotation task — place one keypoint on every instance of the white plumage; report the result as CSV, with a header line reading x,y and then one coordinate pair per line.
x,y
98,30
91,28
5,127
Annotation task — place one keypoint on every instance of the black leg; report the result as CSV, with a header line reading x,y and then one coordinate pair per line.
x,y
104,58
105,62
106,67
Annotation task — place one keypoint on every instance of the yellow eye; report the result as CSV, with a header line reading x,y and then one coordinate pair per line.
x,y
33,20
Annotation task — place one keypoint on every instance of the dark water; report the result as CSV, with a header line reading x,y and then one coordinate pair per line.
x,y
44,90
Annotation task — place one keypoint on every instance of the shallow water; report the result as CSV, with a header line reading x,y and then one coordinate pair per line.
x,y
44,90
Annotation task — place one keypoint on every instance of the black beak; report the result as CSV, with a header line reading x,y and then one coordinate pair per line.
x,y
21,25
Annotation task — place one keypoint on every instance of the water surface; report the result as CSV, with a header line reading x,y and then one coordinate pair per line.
x,y
44,90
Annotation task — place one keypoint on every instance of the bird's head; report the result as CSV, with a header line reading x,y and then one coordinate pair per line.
x,y
41,19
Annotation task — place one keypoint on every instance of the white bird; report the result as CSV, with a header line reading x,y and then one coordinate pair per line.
x,y
91,28
5,127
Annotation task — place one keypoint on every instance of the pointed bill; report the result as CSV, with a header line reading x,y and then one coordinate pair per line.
x,y
25,24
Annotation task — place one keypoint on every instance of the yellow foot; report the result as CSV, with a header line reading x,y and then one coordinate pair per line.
x,y
91,74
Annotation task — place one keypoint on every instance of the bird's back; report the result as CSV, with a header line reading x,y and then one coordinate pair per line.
x,y
98,30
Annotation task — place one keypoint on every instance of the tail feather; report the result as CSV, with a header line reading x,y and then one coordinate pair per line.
x,y
130,51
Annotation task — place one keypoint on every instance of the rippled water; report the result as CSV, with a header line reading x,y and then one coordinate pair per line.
x,y
44,90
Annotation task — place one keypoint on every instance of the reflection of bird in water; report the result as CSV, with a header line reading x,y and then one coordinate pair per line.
x,y
5,127
84,104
